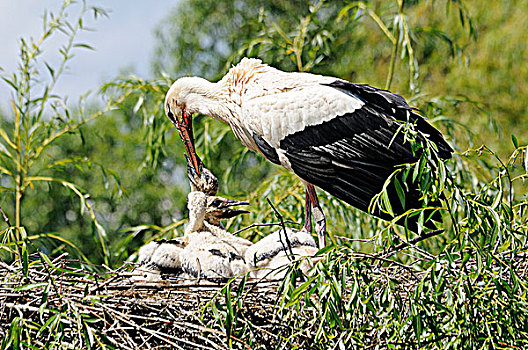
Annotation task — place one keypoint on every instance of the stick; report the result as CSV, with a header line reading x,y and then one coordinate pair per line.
x,y
6,219
413,241
279,216
269,224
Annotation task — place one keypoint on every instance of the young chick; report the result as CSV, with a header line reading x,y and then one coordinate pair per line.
x,y
211,252
273,251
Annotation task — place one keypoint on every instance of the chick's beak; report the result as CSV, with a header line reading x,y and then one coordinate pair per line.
x,y
230,213
192,172
225,210
232,203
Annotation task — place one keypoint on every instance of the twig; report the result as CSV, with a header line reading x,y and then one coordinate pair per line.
x,y
159,335
381,258
7,267
413,241
356,239
268,224
115,275
19,251
6,219
279,216
23,307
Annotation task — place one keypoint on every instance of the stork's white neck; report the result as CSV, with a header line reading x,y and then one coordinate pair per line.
x,y
222,100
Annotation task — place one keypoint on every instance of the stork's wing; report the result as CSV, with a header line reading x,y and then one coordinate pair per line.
x,y
394,107
350,154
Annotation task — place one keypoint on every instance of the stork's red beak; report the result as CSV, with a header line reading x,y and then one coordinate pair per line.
x,y
185,129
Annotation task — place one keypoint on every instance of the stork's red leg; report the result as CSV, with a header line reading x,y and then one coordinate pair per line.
x,y
307,212
319,217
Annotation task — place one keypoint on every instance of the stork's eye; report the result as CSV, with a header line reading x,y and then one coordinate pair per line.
x,y
216,202
170,115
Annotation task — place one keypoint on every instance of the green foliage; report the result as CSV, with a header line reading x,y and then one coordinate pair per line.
x,y
378,285
199,36
40,118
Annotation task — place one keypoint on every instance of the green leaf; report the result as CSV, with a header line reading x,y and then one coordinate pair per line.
x,y
400,192
46,324
298,292
25,260
514,139
11,83
31,286
50,70
386,203
7,139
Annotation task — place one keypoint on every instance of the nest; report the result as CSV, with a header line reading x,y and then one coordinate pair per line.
x,y
56,303
114,309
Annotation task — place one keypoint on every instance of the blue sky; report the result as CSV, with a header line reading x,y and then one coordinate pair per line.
x,y
123,41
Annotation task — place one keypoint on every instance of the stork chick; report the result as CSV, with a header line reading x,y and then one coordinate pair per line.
x,y
266,257
157,258
163,253
343,137
206,250
218,208
212,252
205,242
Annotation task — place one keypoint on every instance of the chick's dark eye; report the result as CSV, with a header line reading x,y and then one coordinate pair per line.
x,y
216,202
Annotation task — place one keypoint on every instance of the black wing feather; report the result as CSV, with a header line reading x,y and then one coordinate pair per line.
x,y
352,155
269,152
394,107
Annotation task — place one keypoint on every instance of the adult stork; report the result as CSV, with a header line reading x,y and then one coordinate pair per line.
x,y
343,137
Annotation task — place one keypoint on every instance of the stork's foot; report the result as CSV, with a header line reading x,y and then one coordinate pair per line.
x,y
320,226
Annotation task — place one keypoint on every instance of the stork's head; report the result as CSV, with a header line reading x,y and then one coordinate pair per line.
x,y
186,97
222,208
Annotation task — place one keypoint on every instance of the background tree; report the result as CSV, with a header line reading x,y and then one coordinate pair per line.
x,y
449,73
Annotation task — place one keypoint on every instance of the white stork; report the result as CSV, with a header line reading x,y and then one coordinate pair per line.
x,y
342,137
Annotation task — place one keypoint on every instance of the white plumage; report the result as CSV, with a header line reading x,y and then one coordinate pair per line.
x,y
211,251
284,114
206,249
